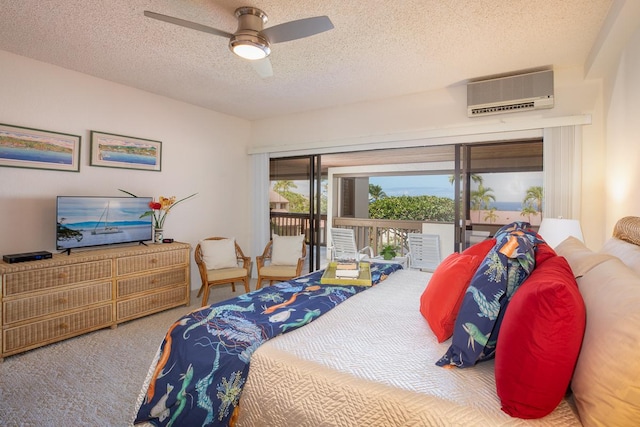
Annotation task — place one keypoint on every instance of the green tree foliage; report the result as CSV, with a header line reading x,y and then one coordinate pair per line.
x,y
376,192
284,186
297,202
413,208
533,199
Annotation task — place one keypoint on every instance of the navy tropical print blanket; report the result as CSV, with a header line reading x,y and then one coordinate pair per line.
x,y
204,358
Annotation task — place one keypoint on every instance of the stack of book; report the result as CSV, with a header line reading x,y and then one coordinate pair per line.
x,y
348,269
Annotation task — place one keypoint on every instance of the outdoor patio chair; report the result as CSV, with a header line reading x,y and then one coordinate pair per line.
x,y
282,259
424,251
343,245
220,261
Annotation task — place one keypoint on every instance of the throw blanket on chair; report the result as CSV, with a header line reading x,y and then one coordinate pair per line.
x,y
204,358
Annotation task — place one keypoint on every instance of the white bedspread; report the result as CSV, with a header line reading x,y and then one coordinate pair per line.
x,y
371,362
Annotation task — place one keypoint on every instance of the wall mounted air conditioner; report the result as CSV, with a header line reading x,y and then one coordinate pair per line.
x,y
522,92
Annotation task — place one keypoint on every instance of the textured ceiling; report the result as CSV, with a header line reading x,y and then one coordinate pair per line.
x,y
378,49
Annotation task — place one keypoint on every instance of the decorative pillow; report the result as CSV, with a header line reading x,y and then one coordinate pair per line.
x,y
442,298
478,323
218,254
628,253
581,259
606,381
539,341
286,250
480,249
543,253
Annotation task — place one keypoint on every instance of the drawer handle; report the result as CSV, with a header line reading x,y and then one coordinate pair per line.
x,y
63,300
154,261
154,281
63,275
64,326
153,300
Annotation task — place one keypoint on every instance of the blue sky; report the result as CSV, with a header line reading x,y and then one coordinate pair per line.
x,y
414,185
507,187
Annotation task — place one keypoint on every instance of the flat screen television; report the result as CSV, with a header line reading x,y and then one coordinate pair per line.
x,y
83,221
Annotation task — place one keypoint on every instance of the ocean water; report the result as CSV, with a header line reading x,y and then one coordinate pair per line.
x,y
31,155
82,234
506,206
112,156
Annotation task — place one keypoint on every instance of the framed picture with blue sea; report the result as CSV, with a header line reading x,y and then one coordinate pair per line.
x,y
23,147
127,152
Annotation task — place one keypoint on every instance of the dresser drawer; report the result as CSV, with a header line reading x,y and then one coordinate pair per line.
x,y
150,282
147,304
23,282
135,264
21,338
20,309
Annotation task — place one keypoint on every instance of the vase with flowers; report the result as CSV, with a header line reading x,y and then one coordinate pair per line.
x,y
158,211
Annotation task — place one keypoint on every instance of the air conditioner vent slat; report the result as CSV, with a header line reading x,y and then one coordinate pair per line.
x,y
524,92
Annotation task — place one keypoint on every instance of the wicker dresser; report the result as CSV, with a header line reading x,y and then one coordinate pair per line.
x,y
55,299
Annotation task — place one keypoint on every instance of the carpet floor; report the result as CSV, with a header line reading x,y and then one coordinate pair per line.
x,y
90,380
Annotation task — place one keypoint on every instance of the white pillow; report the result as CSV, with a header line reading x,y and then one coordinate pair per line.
x,y
627,252
219,253
286,250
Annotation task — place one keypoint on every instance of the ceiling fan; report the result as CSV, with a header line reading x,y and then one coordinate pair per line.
x,y
251,40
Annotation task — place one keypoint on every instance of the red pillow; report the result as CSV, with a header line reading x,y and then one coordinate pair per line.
x,y
480,249
543,253
441,300
539,341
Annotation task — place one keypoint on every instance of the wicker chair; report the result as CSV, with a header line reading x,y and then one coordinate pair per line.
x,y
267,270
221,276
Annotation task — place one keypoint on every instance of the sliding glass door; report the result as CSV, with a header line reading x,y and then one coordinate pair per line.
x,y
296,202
463,192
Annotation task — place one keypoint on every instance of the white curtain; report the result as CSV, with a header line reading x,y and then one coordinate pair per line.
x,y
562,148
260,203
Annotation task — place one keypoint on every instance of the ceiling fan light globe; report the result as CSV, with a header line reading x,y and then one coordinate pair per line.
x,y
250,47
250,51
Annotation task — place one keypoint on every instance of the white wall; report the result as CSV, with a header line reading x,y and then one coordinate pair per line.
x,y
623,136
202,151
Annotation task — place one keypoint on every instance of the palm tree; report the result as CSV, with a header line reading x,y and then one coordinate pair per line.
x,y
284,186
376,193
533,198
481,198
528,210
477,179
491,215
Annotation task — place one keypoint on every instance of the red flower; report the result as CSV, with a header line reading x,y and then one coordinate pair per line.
x,y
155,206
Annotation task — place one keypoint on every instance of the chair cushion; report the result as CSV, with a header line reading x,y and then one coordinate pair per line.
x,y
539,341
278,271
226,273
442,298
219,253
286,250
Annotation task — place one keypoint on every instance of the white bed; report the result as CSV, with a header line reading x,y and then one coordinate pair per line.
x,y
355,367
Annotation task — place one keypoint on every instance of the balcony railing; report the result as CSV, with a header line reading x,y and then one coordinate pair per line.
x,y
380,232
293,224
375,233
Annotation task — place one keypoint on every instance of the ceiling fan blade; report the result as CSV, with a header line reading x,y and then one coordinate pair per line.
x,y
297,29
188,24
262,67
